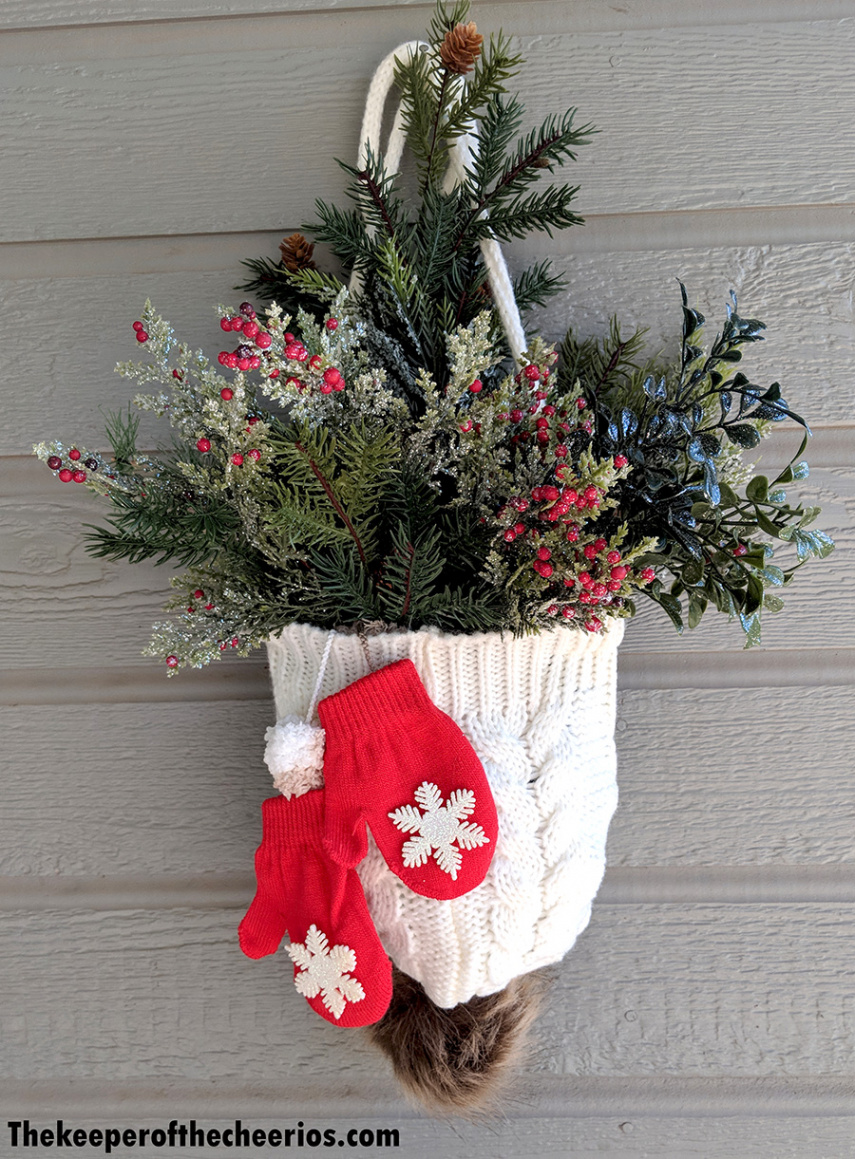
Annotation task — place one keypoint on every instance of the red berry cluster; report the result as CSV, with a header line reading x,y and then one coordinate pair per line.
x,y
74,473
329,379
199,595
141,332
554,505
245,356
255,353
534,417
236,458
583,577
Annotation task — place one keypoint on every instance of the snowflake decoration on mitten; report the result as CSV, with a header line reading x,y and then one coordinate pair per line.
x,y
439,827
325,971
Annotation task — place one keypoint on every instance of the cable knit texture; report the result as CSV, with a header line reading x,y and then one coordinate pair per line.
x,y
540,713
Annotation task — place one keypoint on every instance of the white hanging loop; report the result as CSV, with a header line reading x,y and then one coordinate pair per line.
x,y
375,103
463,150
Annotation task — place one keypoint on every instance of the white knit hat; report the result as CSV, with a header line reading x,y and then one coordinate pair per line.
x,y
540,713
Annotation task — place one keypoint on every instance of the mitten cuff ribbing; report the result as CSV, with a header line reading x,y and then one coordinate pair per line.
x,y
366,707
286,824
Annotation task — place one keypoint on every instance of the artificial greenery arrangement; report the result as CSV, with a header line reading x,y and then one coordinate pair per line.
x,y
375,455
383,481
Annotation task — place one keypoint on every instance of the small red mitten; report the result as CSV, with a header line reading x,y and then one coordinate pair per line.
x,y
340,967
393,760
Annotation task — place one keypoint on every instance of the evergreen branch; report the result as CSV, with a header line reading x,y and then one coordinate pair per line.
x,y
266,274
378,206
499,123
602,364
410,552
345,584
162,525
378,199
536,285
415,80
464,610
400,278
330,494
440,104
433,237
303,524
552,142
542,212
410,571
345,233
444,19
614,361
326,287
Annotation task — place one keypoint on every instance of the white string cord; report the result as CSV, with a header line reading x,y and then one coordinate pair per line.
x,y
320,680
463,150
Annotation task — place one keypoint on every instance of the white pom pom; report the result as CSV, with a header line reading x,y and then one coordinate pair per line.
x,y
295,756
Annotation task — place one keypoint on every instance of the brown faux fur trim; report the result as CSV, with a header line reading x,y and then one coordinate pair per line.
x,y
457,1061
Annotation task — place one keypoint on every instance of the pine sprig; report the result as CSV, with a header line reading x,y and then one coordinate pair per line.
x,y
122,429
375,193
536,285
445,18
510,213
420,264
345,232
499,125
410,572
164,525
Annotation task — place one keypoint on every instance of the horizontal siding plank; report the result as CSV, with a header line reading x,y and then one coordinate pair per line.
x,y
602,233
45,14
697,991
64,607
734,777
128,788
162,994
586,15
175,788
71,382
198,161
626,885
802,293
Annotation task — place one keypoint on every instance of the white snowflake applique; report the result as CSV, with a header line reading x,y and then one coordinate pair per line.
x,y
325,971
439,827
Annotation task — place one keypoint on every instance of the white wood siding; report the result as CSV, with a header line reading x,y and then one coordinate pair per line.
x,y
709,1009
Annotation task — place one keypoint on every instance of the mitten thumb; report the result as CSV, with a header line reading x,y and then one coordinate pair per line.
x,y
345,834
263,927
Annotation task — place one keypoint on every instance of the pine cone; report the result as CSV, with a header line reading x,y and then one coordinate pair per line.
x,y
297,253
461,47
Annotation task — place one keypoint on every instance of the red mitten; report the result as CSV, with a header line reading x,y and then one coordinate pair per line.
x,y
395,761
340,967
